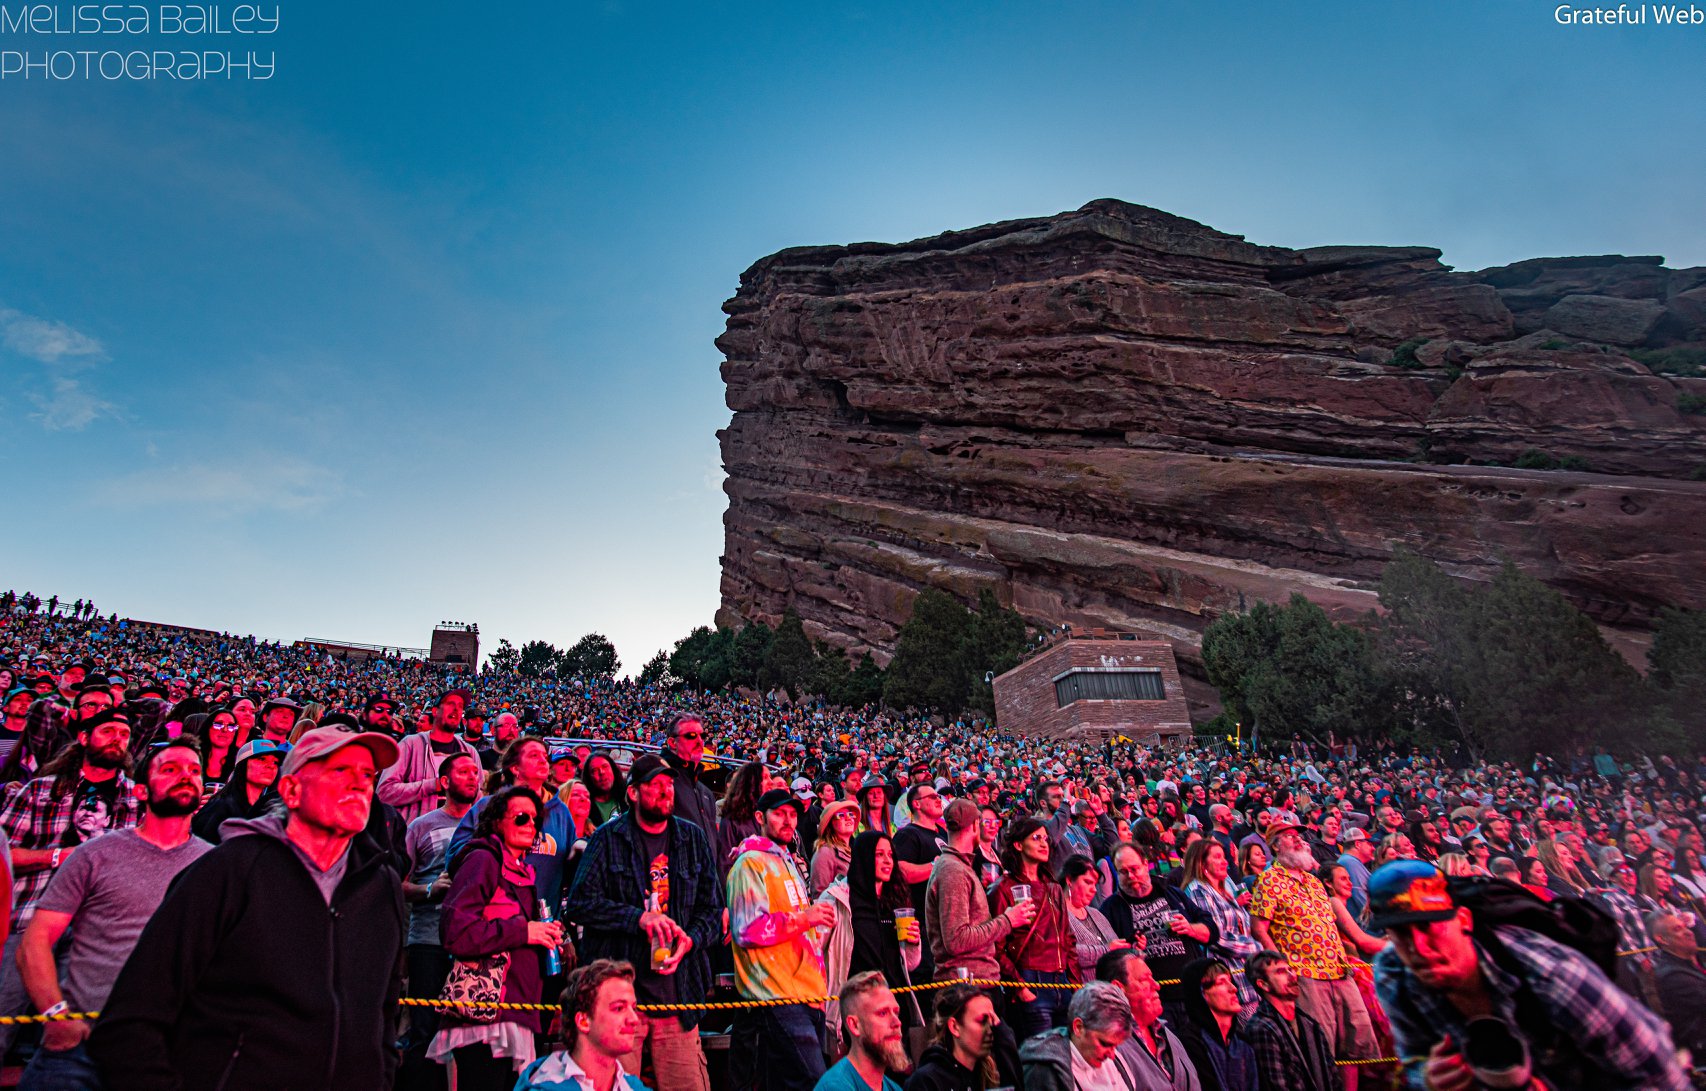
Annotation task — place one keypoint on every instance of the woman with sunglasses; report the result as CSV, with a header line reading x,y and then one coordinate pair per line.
x,y
493,909
220,729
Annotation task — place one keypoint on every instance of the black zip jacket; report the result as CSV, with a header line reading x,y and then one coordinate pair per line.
x,y
244,979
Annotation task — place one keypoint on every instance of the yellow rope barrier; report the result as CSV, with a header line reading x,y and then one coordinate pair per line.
x,y
738,1005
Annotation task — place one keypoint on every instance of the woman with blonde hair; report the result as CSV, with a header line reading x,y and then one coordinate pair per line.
x,y
1456,864
1562,875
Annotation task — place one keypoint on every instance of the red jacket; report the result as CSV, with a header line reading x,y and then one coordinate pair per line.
x,y
1046,944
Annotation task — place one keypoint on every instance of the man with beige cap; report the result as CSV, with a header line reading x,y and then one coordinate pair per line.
x,y
275,959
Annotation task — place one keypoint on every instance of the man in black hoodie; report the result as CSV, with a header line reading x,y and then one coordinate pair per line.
x,y
694,802
275,960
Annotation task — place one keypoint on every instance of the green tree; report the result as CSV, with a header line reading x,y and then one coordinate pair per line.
x,y
537,659
1676,675
788,659
865,685
701,658
929,669
1511,667
746,654
592,656
1541,676
504,657
829,673
656,672
1290,669
997,642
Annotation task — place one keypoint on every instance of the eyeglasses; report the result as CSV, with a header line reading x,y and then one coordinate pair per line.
x,y
523,818
690,735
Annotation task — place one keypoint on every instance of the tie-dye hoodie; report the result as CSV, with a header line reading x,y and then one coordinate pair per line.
x,y
774,959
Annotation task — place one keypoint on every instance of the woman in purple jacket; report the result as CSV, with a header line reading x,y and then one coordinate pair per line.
x,y
493,907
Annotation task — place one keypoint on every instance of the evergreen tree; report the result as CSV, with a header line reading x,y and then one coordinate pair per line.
x,y
929,668
1542,677
701,658
656,672
592,656
1290,669
538,659
1676,670
746,654
864,685
789,659
997,643
504,658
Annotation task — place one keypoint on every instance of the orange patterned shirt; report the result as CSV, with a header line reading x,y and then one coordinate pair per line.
x,y
1300,919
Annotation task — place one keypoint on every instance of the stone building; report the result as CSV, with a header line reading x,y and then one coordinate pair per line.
x,y
1096,684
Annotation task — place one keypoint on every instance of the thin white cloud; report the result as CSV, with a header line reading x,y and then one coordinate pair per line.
x,y
67,404
254,484
47,341
70,406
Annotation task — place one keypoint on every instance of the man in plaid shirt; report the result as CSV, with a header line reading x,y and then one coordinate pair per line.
x,y
82,793
1579,1029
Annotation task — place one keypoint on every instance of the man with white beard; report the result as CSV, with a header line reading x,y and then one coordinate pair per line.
x,y
1291,914
871,1018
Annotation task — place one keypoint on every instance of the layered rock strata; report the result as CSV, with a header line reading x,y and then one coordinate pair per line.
x,y
1121,418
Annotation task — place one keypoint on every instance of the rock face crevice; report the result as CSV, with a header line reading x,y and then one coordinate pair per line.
x,y
1119,417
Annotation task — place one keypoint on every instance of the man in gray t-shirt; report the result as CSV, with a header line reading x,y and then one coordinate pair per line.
x,y
425,887
105,891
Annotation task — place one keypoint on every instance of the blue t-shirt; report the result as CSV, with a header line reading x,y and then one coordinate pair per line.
x,y
842,1076
548,855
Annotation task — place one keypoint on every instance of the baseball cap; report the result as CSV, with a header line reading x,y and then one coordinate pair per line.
x,y
260,748
456,691
802,787
561,753
1465,814
960,814
323,742
1407,892
645,767
777,797
1352,835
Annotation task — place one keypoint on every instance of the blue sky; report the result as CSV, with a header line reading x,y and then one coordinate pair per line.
x,y
421,328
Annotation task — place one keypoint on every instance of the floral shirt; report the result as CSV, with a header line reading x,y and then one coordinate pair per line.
x,y
1300,919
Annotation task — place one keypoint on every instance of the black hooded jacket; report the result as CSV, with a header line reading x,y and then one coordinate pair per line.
x,y
694,801
231,801
245,980
938,1071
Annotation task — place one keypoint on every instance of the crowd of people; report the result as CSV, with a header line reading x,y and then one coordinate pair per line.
x,y
266,866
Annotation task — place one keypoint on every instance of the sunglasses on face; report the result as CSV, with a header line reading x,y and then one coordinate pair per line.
x,y
523,818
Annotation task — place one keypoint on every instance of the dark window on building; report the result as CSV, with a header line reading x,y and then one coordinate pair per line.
x,y
1138,685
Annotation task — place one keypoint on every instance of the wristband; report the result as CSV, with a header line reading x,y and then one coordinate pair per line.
x,y
53,861
56,1009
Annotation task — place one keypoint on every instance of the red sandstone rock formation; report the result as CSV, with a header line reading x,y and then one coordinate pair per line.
x,y
1123,418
